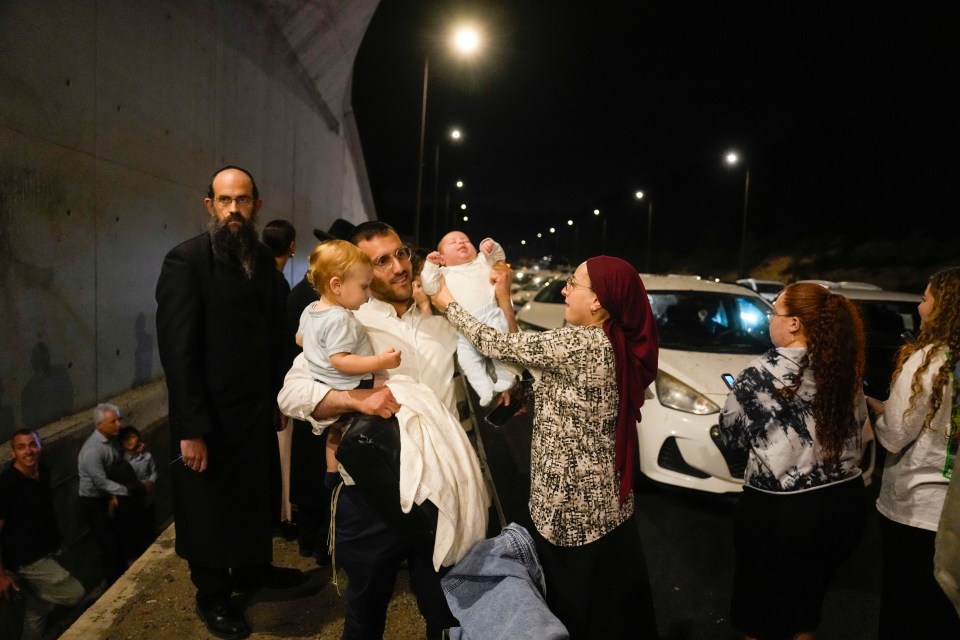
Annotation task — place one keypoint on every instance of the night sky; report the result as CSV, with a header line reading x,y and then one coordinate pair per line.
x,y
844,112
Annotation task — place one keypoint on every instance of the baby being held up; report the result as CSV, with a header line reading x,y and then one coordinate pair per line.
x,y
335,344
467,274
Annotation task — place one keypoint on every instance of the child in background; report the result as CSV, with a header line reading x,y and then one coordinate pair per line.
x,y
418,258
467,274
334,342
135,514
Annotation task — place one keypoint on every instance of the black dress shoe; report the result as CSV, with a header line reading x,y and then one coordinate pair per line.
x,y
222,620
249,578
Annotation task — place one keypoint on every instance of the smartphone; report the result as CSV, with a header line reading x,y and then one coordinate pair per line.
x,y
501,414
728,379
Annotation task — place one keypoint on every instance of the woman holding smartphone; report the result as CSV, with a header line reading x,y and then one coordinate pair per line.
x,y
919,426
797,411
584,444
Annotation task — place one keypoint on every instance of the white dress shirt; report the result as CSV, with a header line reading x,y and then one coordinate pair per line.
x,y
427,344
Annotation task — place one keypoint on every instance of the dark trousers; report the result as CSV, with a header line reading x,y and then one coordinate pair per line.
x,y
211,583
104,528
600,589
371,555
912,604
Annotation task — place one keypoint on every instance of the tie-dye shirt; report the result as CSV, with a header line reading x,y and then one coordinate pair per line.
x,y
779,432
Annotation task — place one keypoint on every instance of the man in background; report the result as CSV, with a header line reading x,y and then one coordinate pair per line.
x,y
30,538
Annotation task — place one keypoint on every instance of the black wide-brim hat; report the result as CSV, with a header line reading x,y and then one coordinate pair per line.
x,y
339,230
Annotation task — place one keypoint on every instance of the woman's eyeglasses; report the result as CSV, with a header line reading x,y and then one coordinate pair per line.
x,y
384,261
571,284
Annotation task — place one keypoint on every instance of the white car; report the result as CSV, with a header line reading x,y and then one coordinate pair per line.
x,y
769,289
707,330
891,317
533,283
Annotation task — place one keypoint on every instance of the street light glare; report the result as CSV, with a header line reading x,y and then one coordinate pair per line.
x,y
596,212
523,242
459,184
638,195
569,223
732,158
463,207
466,39
455,134
552,230
539,235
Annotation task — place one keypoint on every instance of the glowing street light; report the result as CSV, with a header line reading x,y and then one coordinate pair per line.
x,y
732,159
639,195
603,230
465,40
455,135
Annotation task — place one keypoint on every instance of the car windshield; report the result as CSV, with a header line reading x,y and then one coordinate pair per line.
x,y
887,321
552,292
763,287
711,321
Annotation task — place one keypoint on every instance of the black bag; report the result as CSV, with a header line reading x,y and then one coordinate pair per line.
x,y
370,452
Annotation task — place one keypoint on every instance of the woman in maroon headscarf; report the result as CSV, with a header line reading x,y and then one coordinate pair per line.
x,y
588,401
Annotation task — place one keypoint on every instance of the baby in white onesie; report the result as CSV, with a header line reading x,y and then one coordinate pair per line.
x,y
467,274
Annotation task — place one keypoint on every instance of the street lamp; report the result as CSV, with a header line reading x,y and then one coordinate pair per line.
x,y
639,195
465,40
732,159
603,230
455,135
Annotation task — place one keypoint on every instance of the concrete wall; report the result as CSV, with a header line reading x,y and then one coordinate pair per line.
x,y
113,115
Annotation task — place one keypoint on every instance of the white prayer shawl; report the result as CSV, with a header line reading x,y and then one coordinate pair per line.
x,y
438,463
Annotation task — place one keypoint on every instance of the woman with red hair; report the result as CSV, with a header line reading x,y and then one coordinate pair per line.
x,y
588,399
798,411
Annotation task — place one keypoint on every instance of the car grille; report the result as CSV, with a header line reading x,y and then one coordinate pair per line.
x,y
671,458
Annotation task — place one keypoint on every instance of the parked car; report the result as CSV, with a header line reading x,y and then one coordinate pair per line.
x,y
891,317
529,289
769,289
707,329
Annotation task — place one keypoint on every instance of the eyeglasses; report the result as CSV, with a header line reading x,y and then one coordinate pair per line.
x,y
384,261
571,284
773,314
242,201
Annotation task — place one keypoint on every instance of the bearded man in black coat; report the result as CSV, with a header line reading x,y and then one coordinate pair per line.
x,y
220,324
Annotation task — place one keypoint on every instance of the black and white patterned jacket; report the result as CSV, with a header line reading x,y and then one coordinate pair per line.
x,y
779,432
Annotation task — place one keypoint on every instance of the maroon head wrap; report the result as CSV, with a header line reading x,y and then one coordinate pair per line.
x,y
632,331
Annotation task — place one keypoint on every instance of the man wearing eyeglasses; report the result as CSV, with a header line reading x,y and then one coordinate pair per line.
x,y
366,548
220,317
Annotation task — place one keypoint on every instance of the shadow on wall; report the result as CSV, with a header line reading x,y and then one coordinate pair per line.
x,y
143,353
48,394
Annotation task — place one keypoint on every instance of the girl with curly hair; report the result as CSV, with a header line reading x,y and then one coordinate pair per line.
x,y
919,427
798,412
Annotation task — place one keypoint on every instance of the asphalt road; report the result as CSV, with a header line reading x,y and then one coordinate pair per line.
x,y
688,542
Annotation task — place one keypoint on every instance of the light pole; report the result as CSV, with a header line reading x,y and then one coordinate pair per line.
x,y
733,159
455,135
576,238
639,196
465,40
603,231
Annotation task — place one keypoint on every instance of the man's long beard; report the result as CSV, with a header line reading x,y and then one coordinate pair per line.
x,y
235,247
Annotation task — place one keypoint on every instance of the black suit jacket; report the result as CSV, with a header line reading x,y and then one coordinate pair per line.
x,y
220,340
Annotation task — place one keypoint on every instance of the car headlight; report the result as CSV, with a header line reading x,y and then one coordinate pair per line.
x,y
682,397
